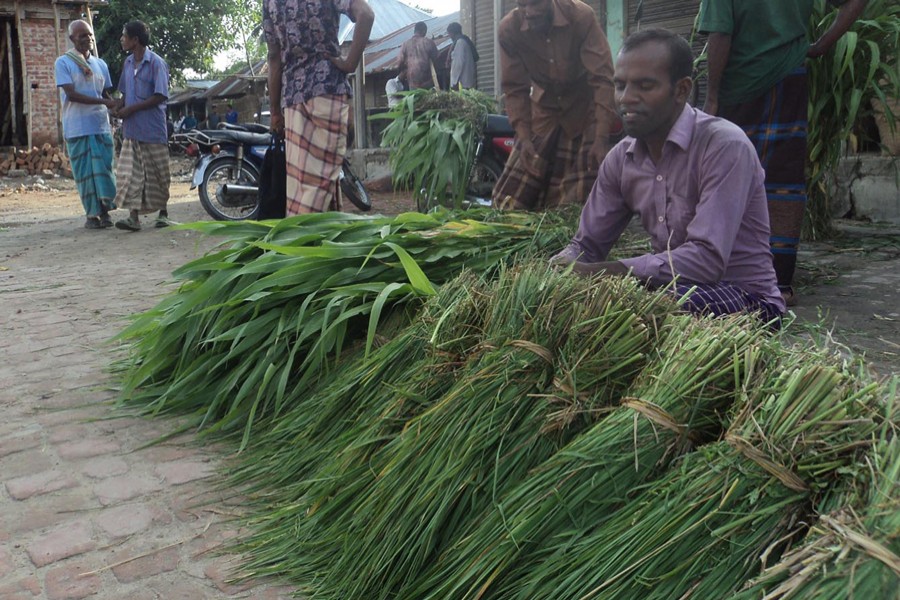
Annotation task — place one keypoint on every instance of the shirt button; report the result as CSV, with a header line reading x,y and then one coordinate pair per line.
x,y
551,61
661,219
659,177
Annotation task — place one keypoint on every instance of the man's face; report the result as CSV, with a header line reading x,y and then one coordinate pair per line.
x,y
648,101
538,13
82,37
128,43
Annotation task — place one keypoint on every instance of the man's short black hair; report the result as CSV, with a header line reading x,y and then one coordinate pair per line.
x,y
454,28
421,28
139,30
681,57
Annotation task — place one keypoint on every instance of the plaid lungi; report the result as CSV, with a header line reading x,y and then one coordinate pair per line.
x,y
722,298
92,165
567,176
143,175
315,145
776,123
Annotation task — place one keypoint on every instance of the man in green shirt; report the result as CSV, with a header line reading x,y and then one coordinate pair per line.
x,y
757,80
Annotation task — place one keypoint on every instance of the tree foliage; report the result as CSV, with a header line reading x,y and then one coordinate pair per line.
x,y
186,33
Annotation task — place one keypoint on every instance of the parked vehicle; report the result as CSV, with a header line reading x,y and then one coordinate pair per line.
x,y
229,161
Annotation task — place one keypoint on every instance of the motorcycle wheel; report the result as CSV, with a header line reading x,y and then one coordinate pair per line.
x,y
353,189
237,208
484,177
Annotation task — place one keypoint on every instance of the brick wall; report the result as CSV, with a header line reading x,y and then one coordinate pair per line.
x,y
40,57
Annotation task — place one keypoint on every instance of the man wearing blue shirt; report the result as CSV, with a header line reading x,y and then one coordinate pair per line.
x,y
84,84
143,171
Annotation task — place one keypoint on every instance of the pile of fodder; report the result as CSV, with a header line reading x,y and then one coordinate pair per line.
x,y
549,464
261,319
546,354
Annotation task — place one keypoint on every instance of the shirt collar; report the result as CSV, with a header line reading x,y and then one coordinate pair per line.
x,y
559,19
681,134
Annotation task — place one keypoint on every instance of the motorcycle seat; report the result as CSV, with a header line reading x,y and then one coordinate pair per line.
x,y
498,126
240,137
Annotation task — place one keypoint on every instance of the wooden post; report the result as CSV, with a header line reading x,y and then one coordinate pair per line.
x,y
12,80
359,106
56,25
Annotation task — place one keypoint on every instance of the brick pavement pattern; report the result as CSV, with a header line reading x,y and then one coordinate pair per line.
x,y
86,510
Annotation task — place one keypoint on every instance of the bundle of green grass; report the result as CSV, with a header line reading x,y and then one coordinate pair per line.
x,y
265,316
436,417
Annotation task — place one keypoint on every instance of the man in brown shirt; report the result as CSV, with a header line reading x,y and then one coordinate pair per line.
x,y
556,75
416,57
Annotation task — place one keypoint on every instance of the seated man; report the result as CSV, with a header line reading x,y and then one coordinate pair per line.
x,y
694,181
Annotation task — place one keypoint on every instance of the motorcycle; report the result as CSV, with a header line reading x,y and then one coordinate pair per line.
x,y
229,162
491,153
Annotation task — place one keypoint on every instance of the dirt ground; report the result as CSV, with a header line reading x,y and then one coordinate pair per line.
x,y
848,284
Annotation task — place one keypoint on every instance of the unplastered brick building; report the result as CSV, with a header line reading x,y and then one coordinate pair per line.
x,y
33,33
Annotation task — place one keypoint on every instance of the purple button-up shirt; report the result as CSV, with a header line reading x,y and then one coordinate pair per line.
x,y
150,77
703,204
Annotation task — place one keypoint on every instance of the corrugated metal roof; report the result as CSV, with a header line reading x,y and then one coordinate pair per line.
x,y
239,83
390,15
384,54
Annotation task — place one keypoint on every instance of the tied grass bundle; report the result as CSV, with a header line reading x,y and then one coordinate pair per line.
x,y
261,320
322,445
679,397
433,136
557,349
853,550
705,527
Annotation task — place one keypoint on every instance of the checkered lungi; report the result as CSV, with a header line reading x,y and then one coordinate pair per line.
x,y
776,123
567,176
719,299
92,166
315,145
143,175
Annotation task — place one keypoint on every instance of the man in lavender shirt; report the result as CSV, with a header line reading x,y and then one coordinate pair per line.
x,y
694,181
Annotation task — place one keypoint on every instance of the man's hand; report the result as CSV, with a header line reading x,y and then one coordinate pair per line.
x,y
598,153
611,267
815,51
110,103
276,123
123,112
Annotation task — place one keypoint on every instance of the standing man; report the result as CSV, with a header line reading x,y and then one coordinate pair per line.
x,y
556,75
462,58
417,55
693,180
232,115
757,80
309,93
84,84
144,162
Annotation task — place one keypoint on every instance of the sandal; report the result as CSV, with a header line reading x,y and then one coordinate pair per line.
x,y
789,296
129,224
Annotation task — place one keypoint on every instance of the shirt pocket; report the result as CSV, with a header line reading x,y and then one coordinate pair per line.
x,y
143,84
679,214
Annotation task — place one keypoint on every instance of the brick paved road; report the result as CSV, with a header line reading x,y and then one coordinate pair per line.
x,y
85,511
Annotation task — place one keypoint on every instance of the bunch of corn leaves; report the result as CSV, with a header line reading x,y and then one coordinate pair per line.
x,y
554,349
853,548
691,380
264,317
433,136
705,527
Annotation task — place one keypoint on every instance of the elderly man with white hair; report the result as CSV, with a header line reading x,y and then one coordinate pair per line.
x,y
84,84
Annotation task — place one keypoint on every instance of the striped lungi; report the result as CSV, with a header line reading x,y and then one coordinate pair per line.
x,y
722,298
143,175
92,166
566,178
776,123
315,145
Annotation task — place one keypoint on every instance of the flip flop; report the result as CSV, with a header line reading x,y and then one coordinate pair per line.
x,y
128,224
